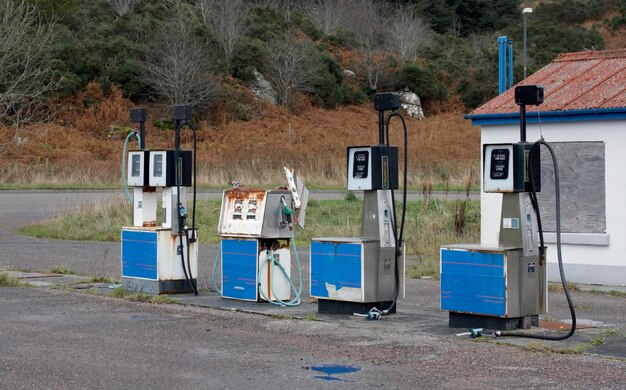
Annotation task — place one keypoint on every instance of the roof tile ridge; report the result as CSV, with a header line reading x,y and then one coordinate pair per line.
x,y
600,62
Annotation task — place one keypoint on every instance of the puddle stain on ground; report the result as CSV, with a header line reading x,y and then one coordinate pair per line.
x,y
334,369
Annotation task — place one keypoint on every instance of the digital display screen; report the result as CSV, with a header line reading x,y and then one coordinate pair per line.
x,y
499,164
157,169
135,170
360,163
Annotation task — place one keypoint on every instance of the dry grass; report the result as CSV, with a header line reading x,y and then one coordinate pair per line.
x,y
442,149
96,222
83,146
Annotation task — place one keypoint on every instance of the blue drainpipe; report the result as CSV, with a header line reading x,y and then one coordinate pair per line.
x,y
510,42
505,44
501,64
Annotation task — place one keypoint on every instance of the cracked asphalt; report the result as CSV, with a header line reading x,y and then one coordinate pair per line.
x,y
57,337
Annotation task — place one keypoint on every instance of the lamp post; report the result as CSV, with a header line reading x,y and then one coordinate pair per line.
x,y
525,14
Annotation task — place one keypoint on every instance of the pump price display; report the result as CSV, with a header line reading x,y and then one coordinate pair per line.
x,y
136,166
359,168
157,170
499,164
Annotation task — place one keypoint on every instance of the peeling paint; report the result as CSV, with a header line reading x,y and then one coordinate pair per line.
x,y
344,293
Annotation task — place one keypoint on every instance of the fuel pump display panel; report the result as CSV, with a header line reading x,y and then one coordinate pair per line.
x,y
372,167
498,168
163,168
360,166
499,164
507,167
137,174
254,213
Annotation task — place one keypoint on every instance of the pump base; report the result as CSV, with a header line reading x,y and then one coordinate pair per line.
x,y
463,320
327,306
177,286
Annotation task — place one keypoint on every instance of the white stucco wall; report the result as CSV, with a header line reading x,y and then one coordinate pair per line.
x,y
595,264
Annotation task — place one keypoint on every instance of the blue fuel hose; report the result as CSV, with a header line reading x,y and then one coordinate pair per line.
x,y
273,262
271,259
125,183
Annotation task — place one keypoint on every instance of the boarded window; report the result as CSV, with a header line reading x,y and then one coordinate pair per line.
x,y
583,205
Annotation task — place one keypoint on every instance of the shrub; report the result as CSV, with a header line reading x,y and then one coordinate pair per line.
x,y
420,80
571,12
249,55
268,23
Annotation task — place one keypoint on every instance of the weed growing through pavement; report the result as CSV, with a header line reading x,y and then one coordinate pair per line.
x,y
613,293
61,269
119,292
612,332
538,347
578,348
162,299
100,279
141,297
7,280
572,287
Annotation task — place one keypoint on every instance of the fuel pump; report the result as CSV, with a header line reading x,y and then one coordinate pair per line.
x,y
504,286
365,275
257,238
161,257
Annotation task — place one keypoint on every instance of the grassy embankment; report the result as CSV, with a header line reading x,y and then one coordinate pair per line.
x,y
429,224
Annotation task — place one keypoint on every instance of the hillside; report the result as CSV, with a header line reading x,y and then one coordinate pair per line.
x,y
64,98
85,146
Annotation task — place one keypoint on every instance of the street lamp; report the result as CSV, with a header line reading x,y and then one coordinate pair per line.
x,y
525,14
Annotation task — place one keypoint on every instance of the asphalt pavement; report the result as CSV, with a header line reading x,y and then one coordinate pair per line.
x,y
57,334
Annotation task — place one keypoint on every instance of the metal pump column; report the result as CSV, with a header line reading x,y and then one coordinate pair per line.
x,y
159,257
257,240
356,274
502,286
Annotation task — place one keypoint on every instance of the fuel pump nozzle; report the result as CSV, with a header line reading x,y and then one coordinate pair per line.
x,y
182,212
286,213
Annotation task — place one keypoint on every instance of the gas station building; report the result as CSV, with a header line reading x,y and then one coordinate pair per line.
x,y
584,118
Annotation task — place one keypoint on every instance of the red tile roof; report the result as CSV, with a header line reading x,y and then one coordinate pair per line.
x,y
573,81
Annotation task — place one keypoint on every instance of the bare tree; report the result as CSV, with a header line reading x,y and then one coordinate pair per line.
x,y
178,65
329,15
286,7
26,74
227,20
122,7
291,65
367,25
409,33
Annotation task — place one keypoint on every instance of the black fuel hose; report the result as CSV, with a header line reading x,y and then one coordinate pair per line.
x,y
181,230
557,195
398,238
195,164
